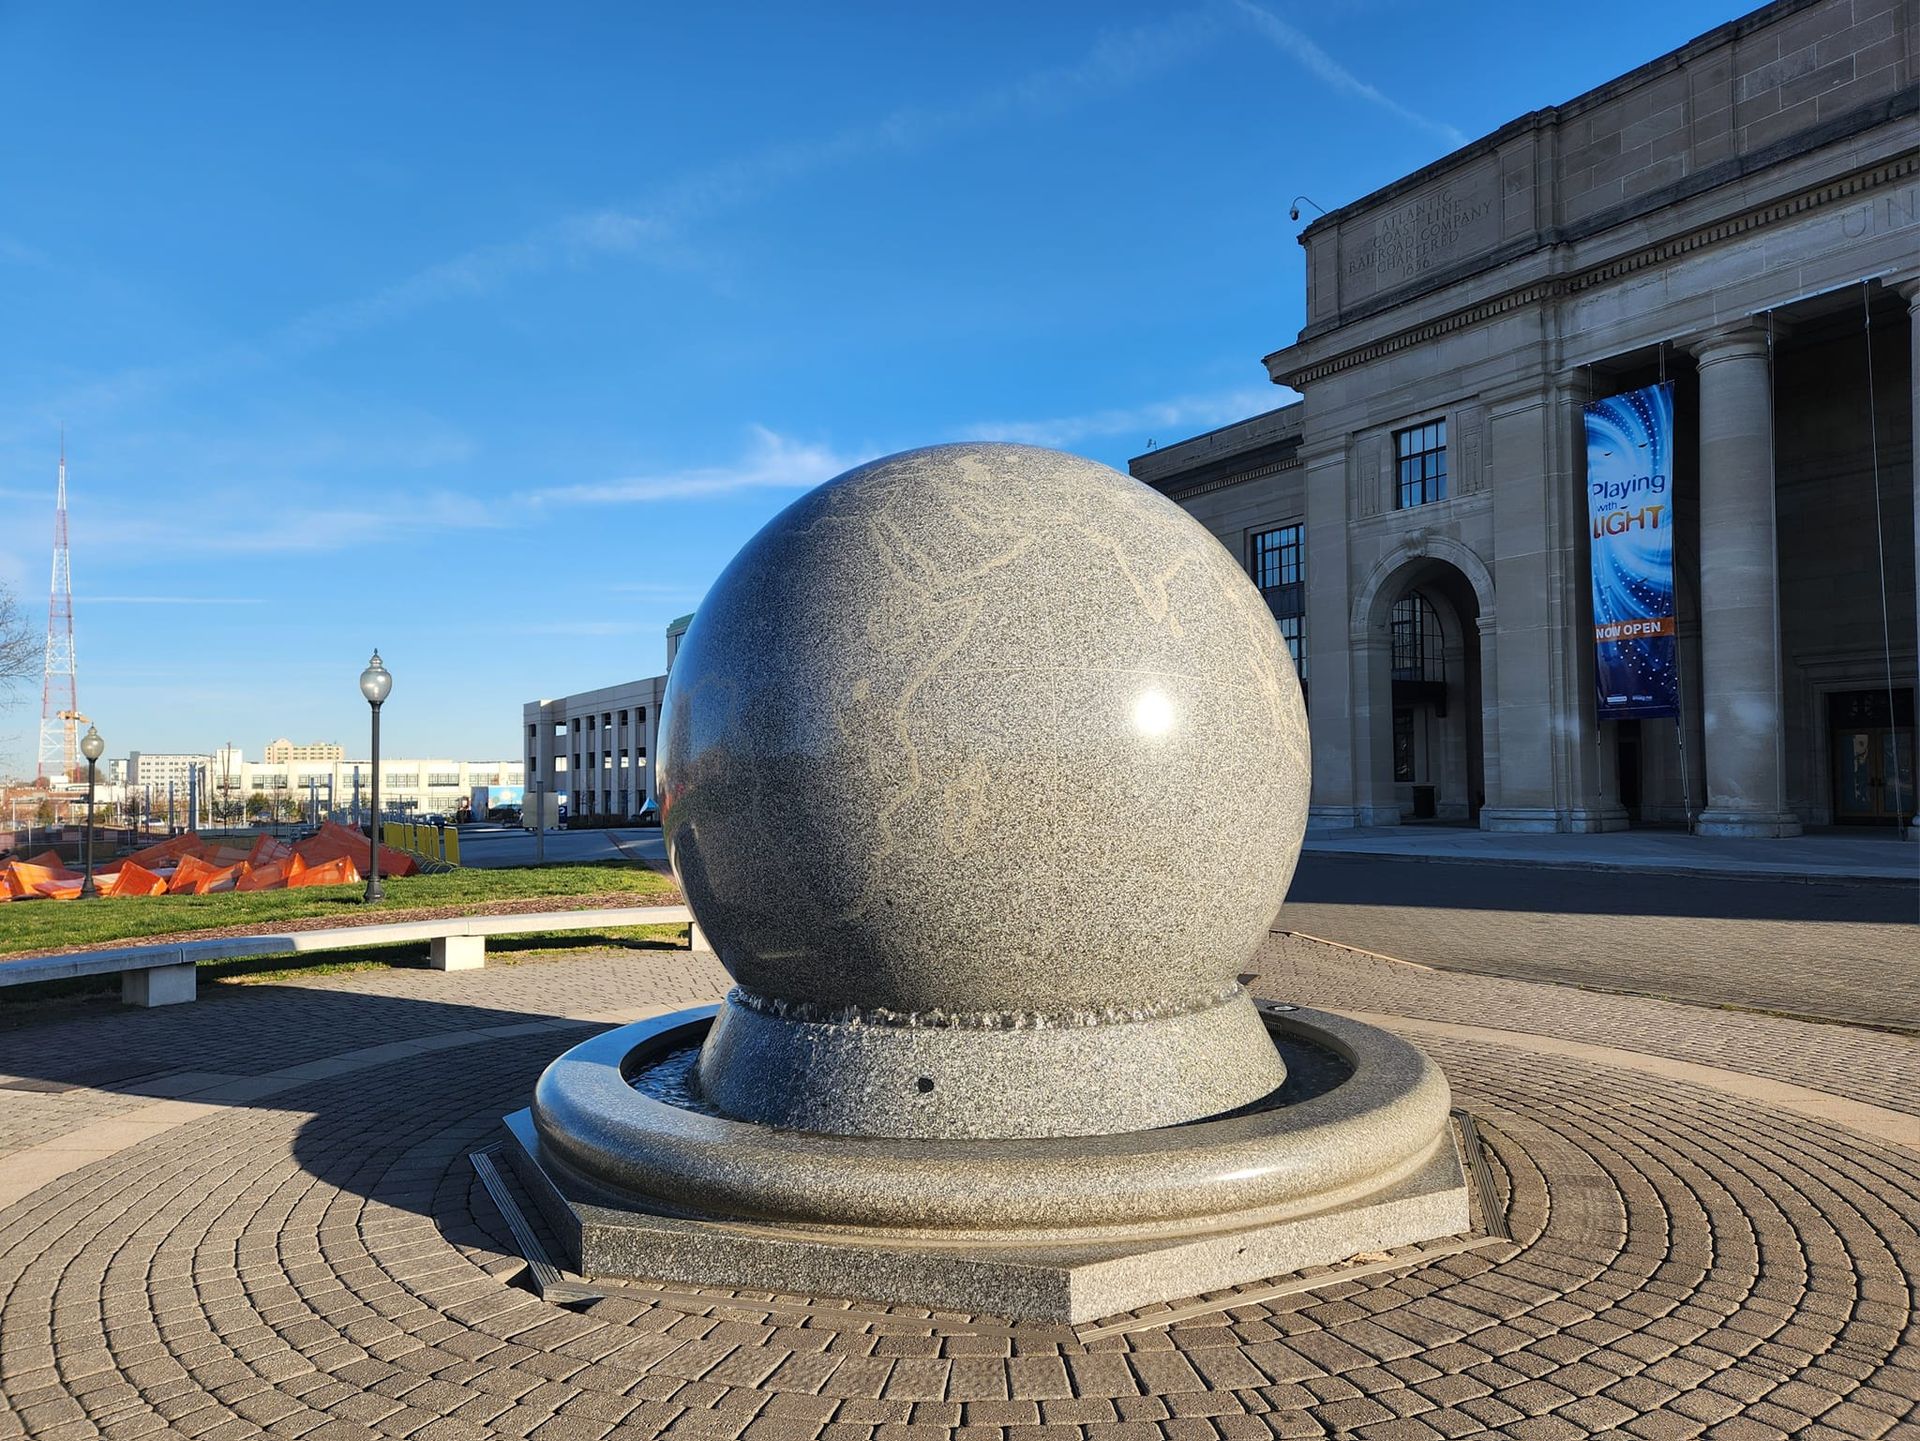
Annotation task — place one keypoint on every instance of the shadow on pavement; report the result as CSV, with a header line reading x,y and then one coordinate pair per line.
x,y
1492,886
394,1126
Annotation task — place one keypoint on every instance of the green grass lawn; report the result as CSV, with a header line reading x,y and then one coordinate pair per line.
x,y
50,925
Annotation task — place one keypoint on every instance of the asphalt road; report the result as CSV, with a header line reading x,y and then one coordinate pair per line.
x,y
1821,950
487,846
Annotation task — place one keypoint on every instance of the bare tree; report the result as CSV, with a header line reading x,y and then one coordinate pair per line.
x,y
19,656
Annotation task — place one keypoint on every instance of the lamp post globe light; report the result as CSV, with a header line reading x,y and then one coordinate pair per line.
x,y
375,682
92,747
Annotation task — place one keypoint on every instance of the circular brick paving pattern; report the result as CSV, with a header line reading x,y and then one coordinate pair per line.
x,y
325,1264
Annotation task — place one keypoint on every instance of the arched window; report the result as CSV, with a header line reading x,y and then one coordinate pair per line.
x,y
1417,652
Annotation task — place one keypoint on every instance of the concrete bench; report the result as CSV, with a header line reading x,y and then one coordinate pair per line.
x,y
163,974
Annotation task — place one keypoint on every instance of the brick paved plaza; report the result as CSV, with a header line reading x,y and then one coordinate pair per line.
x,y
256,1215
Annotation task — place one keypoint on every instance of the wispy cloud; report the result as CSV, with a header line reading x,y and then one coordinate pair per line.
x,y
771,462
171,599
215,526
656,227
1335,75
1115,61
1161,419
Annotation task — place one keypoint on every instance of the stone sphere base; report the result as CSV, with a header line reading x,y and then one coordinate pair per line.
x,y
1061,1228
868,1076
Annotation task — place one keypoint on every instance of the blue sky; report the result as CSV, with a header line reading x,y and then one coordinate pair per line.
x,y
488,333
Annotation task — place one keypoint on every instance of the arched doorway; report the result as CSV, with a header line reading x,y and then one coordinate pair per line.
x,y
1424,741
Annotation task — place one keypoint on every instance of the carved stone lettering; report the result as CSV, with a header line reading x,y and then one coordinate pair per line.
x,y
1420,235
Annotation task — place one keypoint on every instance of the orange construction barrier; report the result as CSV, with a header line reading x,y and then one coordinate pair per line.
x,y
337,872
269,877
134,880
189,873
168,850
334,841
25,878
224,879
268,849
335,855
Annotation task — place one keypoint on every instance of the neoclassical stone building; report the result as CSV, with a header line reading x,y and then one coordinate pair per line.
x,y
1741,217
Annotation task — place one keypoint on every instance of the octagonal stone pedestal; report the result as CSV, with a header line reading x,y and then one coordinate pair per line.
x,y
1058,1228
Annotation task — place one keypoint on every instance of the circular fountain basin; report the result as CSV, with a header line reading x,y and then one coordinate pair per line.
x,y
1275,1159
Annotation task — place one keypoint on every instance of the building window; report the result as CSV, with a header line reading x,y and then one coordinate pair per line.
x,y
1276,558
1422,454
1293,630
1417,649
443,778
1278,564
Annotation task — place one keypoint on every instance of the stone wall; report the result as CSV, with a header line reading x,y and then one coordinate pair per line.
x,y
1762,180
1789,78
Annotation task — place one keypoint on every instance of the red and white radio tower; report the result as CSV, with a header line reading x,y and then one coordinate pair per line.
x,y
59,690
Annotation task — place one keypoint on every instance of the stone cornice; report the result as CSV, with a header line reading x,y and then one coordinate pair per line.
x,y
1844,188
1239,477
1550,116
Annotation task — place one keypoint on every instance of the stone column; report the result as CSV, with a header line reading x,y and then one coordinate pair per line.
x,y
1335,678
1739,587
1376,793
1589,758
1910,290
1488,639
1549,768
1517,666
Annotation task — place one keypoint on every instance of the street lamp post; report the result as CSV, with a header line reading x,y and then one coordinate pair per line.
x,y
92,747
375,683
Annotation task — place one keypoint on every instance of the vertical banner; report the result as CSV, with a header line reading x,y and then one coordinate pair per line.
x,y
1630,505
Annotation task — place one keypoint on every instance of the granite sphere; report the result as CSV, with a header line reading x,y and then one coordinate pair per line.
x,y
983,735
